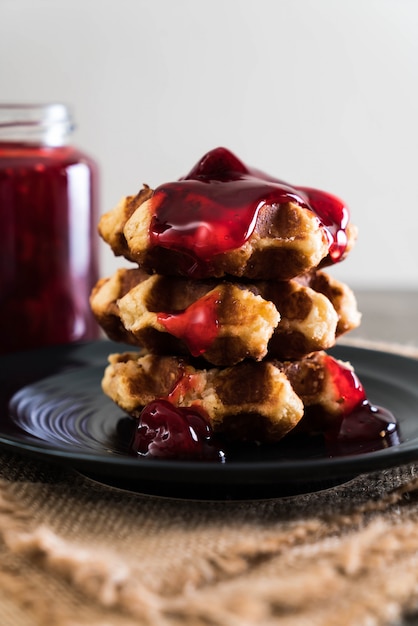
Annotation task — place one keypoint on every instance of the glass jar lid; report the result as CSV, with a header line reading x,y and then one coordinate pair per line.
x,y
47,124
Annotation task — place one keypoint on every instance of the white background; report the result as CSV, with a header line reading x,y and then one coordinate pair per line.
x,y
321,93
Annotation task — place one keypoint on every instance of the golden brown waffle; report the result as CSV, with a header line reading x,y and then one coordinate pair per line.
x,y
249,401
112,223
224,322
339,294
104,302
287,240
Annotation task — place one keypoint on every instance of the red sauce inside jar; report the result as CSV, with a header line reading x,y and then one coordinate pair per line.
x,y
48,264
215,207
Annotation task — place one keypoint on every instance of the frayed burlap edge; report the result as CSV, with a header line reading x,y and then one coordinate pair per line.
x,y
353,569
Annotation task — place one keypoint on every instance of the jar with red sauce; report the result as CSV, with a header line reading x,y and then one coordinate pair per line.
x,y
48,217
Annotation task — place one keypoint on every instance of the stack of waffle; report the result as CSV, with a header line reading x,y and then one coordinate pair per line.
x,y
243,339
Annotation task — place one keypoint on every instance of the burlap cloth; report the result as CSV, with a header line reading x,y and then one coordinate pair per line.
x,y
74,552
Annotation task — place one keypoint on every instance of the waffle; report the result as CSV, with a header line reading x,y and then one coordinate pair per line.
x,y
112,223
104,302
221,321
266,410
339,294
287,240
279,396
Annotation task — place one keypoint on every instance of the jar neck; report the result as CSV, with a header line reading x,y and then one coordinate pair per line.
x,y
37,124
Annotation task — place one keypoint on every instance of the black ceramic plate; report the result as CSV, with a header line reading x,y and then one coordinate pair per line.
x,y
52,407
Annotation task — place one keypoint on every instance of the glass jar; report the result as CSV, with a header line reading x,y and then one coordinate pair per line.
x,y
48,242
